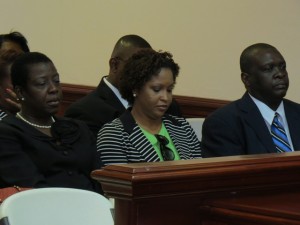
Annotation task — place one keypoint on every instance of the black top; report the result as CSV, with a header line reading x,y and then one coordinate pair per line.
x,y
29,158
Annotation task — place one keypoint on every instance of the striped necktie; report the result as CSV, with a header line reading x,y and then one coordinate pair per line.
x,y
279,136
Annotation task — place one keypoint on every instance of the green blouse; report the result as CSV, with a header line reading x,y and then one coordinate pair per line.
x,y
163,131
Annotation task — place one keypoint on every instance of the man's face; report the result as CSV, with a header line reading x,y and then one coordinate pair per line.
x,y
267,77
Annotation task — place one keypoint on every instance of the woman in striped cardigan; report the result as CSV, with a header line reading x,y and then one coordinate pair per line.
x,y
144,133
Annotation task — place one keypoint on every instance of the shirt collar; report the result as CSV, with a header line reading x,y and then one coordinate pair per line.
x,y
117,93
268,113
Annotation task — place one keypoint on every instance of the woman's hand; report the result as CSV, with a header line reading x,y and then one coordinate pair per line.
x,y
13,100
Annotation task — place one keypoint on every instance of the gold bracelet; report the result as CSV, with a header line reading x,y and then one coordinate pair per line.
x,y
17,187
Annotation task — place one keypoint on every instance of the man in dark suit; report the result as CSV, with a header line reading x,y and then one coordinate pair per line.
x,y
105,103
246,126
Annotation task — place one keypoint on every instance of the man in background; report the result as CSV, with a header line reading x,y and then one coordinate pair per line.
x,y
105,103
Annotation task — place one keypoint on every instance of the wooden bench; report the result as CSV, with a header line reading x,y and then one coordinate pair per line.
x,y
190,106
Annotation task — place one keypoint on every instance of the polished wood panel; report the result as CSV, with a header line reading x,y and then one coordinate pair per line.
x,y
275,208
190,106
71,93
187,191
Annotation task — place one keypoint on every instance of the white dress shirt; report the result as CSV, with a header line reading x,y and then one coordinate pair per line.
x,y
268,115
117,93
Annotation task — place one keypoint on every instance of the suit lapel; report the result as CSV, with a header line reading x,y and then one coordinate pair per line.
x,y
138,139
292,116
105,93
140,142
255,120
172,124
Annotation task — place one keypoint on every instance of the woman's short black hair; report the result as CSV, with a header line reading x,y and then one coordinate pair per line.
x,y
141,67
20,67
15,37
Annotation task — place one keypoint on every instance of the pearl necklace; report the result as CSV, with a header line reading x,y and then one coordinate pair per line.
x,y
33,124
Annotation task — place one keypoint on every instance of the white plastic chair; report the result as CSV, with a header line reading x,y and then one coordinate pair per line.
x,y
56,206
196,124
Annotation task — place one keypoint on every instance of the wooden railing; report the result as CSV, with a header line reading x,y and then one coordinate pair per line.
x,y
236,190
190,106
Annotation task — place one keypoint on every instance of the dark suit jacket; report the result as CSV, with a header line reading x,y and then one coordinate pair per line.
x,y
29,158
102,106
239,129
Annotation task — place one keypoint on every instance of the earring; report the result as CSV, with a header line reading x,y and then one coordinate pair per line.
x,y
22,99
134,95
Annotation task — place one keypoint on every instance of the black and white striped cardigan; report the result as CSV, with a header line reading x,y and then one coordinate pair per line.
x,y
122,140
2,114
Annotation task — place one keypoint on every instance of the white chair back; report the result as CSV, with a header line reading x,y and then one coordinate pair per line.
x,y
196,124
56,206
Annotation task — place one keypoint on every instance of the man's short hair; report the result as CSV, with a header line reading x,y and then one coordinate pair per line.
x,y
247,53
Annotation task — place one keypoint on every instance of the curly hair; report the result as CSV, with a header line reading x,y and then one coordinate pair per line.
x,y
141,67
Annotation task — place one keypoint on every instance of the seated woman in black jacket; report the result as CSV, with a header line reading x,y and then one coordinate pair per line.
x,y
38,149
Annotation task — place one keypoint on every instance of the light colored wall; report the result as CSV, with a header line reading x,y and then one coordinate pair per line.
x,y
206,37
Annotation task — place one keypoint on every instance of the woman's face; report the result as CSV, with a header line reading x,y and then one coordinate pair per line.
x,y
155,97
43,92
